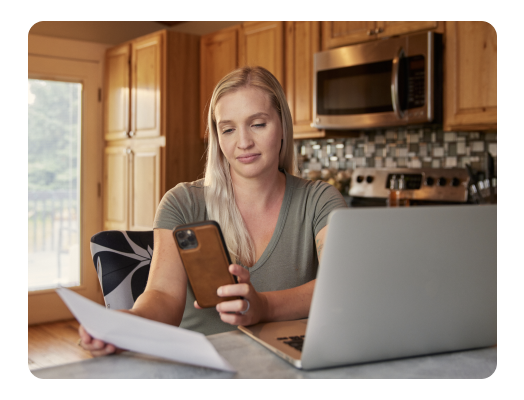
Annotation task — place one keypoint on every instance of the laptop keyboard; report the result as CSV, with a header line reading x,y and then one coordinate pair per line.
x,y
294,341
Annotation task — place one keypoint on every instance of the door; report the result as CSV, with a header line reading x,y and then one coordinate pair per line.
x,y
218,57
144,186
262,44
470,87
116,186
146,78
64,173
116,93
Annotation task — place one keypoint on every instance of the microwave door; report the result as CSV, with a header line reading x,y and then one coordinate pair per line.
x,y
372,85
357,96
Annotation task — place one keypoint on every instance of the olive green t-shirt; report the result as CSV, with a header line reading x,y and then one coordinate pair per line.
x,y
290,258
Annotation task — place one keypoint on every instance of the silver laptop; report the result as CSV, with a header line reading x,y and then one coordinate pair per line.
x,y
396,282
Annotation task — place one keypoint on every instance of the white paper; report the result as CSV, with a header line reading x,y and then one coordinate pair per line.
x,y
142,335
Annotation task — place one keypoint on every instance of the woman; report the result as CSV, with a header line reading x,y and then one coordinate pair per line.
x,y
273,222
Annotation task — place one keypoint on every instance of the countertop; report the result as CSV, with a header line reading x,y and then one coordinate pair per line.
x,y
251,360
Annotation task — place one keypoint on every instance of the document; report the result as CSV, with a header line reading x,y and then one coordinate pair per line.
x,y
138,334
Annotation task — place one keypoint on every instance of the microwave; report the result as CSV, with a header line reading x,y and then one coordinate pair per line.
x,y
385,83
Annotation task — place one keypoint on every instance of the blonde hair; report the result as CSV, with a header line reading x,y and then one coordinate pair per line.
x,y
219,194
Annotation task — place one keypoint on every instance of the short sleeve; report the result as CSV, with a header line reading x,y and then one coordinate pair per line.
x,y
326,198
181,205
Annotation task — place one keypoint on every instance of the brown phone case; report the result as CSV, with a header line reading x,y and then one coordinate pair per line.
x,y
206,264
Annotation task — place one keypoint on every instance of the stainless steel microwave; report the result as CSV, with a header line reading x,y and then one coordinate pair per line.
x,y
389,82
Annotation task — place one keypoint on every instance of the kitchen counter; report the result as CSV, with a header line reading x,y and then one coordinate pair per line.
x,y
252,361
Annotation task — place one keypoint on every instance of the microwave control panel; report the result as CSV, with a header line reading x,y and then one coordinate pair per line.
x,y
416,76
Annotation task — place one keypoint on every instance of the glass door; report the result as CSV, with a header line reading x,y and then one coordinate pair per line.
x,y
54,128
65,158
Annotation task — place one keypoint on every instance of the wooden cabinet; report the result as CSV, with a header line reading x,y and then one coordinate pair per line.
x,y
262,44
218,57
285,49
144,189
116,183
146,79
151,108
343,33
470,79
117,92
302,41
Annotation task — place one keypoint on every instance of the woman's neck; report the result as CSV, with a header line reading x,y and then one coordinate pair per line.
x,y
259,193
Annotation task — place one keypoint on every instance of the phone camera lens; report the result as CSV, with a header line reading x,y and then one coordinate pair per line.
x,y
186,239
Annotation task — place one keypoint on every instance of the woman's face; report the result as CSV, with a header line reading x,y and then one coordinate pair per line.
x,y
249,132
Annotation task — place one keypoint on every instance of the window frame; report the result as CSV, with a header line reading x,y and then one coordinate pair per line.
x,y
75,61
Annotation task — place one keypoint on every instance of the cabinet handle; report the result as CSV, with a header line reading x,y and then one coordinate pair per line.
x,y
128,151
375,31
131,133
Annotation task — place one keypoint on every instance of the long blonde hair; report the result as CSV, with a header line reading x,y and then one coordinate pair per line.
x,y
219,194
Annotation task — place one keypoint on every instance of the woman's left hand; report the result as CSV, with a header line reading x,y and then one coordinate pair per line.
x,y
230,311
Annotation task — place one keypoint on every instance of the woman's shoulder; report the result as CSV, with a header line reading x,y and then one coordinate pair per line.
x,y
188,186
184,190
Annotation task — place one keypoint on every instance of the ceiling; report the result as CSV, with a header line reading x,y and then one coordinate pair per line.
x,y
115,32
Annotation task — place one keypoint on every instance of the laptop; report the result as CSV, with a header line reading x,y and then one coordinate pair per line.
x,y
393,283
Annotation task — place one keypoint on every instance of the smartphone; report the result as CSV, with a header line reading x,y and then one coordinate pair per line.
x,y
206,260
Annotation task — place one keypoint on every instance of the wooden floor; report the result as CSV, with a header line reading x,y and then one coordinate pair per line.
x,y
54,343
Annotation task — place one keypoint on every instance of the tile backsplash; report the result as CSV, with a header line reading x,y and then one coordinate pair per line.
x,y
397,148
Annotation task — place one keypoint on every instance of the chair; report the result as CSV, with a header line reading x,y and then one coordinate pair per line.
x,y
122,260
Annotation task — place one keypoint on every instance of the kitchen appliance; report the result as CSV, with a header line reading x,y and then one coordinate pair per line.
x,y
423,186
390,82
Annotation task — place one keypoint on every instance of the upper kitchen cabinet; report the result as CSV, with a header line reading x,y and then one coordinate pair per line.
x,y
302,41
470,79
285,49
262,44
132,89
146,71
218,57
151,114
343,33
117,92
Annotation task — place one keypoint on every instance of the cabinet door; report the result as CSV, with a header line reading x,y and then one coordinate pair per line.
x,y
146,86
343,33
144,191
218,57
116,182
470,86
262,44
116,93
302,42
392,28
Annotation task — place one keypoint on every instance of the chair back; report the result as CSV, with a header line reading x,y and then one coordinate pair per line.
x,y
122,260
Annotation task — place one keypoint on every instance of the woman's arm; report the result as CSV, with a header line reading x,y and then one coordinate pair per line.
x,y
279,305
164,297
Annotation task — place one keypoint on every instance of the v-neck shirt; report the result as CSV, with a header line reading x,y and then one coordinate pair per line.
x,y
290,258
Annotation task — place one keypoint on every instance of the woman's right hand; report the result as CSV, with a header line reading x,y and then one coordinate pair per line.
x,y
96,346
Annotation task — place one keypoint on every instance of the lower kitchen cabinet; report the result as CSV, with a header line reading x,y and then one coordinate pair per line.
x,y
132,181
